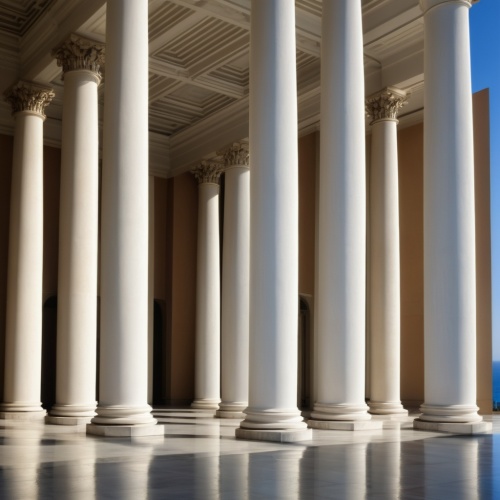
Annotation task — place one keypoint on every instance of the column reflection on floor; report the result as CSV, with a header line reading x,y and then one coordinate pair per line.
x,y
383,469
126,479
451,474
275,474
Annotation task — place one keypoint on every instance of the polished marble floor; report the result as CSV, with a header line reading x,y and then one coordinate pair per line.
x,y
200,458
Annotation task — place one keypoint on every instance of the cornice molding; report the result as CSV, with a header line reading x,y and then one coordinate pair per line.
x,y
29,96
78,53
385,105
208,172
238,154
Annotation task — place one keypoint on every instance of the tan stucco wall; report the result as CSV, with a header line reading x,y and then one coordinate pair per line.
x,y
410,144
411,226
483,250
307,209
181,291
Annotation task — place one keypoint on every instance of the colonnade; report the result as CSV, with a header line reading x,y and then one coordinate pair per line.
x,y
259,295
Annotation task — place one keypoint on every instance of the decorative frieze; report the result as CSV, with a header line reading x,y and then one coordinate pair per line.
x,y
208,172
78,53
237,154
29,96
385,105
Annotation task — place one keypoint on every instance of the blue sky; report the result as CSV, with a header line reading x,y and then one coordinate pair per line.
x,y
485,54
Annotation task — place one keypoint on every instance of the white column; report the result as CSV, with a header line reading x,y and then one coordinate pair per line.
x,y
235,283
384,311
23,341
207,350
342,223
123,390
272,413
78,226
449,228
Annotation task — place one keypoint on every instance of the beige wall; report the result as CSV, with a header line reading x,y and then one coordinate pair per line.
x,y
307,209
410,144
181,289
483,250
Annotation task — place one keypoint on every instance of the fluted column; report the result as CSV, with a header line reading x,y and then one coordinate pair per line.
x,y
235,283
23,341
81,60
207,350
449,224
384,311
342,224
272,413
123,390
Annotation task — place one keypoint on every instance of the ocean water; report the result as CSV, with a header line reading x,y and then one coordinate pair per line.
x,y
496,384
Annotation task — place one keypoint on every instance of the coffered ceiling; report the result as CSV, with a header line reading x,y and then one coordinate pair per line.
x,y
199,64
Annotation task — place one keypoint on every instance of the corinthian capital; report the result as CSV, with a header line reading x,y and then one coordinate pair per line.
x,y
80,53
28,96
208,172
237,154
385,105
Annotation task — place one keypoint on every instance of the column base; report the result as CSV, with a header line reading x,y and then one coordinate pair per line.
x,y
205,404
346,425
273,420
340,412
114,415
277,436
54,420
229,414
24,416
126,430
74,411
231,410
454,428
456,414
387,409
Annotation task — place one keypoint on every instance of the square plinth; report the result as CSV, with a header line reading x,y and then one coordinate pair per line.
x,y
453,428
275,435
346,425
76,421
126,430
25,416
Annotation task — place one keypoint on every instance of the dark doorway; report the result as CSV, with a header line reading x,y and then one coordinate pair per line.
x,y
159,356
304,351
49,345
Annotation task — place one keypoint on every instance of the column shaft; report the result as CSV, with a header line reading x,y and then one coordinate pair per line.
x,y
235,283
207,351
78,227
342,219
384,310
449,227
274,223
23,342
124,278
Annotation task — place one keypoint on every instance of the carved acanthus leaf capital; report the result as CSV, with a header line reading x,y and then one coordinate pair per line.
x,y
208,172
80,53
29,96
385,105
237,154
